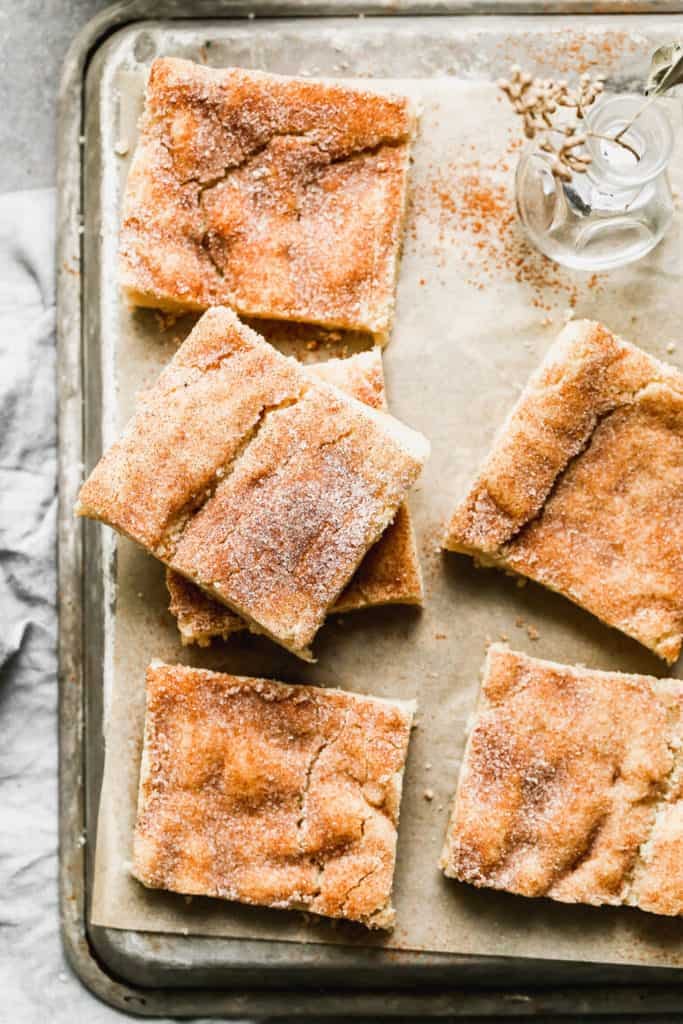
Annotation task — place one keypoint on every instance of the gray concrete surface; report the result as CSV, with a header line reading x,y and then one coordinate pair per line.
x,y
34,37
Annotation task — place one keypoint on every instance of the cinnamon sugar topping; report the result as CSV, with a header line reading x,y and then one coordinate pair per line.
x,y
582,490
572,786
280,197
389,573
282,796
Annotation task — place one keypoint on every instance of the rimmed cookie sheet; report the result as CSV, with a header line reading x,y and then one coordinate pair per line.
x,y
476,312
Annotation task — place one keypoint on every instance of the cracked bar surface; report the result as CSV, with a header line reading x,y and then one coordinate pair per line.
x,y
572,786
270,794
582,490
389,573
281,197
261,485
187,431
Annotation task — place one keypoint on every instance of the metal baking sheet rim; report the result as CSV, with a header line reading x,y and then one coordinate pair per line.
x,y
90,968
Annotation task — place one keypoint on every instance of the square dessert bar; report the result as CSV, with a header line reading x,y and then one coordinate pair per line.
x,y
389,573
281,197
284,532
572,786
583,489
276,795
245,475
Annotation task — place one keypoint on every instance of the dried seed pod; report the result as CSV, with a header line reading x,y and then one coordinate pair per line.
x,y
538,102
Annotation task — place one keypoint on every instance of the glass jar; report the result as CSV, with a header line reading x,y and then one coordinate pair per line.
x,y
616,211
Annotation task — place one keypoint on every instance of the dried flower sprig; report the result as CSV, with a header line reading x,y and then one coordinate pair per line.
x,y
538,102
569,157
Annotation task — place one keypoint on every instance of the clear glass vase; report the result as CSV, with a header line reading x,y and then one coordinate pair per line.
x,y
616,211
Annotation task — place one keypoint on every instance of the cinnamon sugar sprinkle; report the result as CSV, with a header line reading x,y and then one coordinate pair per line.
x,y
471,201
573,52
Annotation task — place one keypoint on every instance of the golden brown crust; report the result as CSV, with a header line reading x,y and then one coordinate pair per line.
x,y
236,458
281,197
571,786
360,375
581,491
282,535
200,618
276,795
389,573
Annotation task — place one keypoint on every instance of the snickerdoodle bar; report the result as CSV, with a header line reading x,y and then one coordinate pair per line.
x,y
270,794
583,488
572,786
281,197
245,475
389,573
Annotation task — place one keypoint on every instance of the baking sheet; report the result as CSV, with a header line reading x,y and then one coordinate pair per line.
x,y
476,311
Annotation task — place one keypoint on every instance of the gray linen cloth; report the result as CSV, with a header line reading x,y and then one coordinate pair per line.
x,y
31,966
36,986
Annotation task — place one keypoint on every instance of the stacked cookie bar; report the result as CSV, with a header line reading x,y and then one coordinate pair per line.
x,y
389,573
264,486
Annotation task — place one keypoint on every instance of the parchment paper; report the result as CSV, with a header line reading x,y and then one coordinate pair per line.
x,y
476,312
